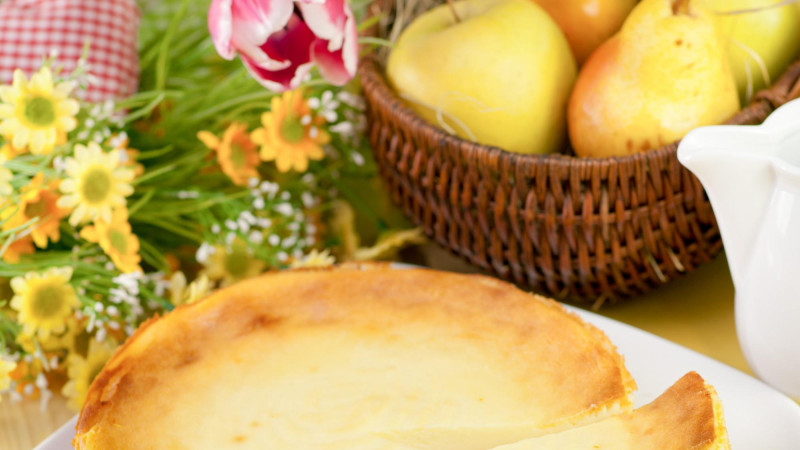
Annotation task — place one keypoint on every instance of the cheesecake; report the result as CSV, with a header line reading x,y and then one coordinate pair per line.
x,y
358,356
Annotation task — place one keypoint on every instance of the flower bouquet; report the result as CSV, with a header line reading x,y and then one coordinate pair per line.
x,y
117,210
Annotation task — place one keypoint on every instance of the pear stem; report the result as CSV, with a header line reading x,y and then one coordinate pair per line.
x,y
453,11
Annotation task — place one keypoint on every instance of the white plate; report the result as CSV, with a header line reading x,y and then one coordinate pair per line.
x,y
758,417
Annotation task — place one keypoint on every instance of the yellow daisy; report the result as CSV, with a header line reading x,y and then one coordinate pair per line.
x,y
181,294
82,371
37,200
234,265
6,367
314,259
37,114
97,183
290,136
236,152
117,240
44,301
5,177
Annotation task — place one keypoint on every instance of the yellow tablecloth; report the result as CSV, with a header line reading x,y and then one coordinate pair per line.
x,y
695,311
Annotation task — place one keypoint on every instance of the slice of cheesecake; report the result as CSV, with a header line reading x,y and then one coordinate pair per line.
x,y
353,358
688,415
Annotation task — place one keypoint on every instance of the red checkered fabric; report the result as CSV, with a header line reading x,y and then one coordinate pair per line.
x,y
33,29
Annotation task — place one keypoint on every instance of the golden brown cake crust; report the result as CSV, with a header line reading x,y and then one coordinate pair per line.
x,y
533,333
687,415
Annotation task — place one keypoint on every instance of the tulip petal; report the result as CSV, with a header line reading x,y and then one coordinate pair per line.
x,y
281,80
220,23
292,44
275,81
338,66
254,22
327,20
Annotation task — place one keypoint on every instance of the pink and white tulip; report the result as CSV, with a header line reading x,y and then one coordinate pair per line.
x,y
279,41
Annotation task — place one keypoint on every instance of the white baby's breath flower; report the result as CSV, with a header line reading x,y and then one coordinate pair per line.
x,y
273,240
59,164
108,107
256,237
269,188
325,105
129,281
343,128
204,251
307,199
119,140
284,208
289,242
248,217
351,100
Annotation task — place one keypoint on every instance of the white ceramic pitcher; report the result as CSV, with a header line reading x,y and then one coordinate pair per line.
x,y
752,176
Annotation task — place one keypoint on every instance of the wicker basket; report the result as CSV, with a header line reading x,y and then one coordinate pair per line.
x,y
579,229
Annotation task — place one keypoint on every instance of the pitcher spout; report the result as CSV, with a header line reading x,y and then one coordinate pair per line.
x,y
736,172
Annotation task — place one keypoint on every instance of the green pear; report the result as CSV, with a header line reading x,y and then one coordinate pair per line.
x,y
500,74
762,39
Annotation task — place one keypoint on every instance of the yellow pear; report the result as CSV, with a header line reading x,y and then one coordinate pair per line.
x,y
762,39
665,73
500,75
